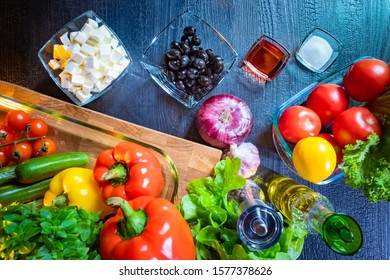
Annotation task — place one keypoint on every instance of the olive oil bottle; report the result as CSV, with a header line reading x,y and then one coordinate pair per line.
x,y
311,211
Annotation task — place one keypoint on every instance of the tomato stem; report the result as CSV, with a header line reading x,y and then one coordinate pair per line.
x,y
133,221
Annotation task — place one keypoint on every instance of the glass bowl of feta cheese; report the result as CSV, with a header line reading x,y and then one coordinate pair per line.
x,y
85,58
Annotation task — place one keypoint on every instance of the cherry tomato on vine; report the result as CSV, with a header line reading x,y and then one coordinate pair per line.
x,y
21,151
43,147
353,124
17,120
327,100
37,128
5,157
366,79
6,135
298,122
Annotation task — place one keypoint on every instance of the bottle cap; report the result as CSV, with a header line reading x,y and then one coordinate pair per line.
x,y
259,227
342,234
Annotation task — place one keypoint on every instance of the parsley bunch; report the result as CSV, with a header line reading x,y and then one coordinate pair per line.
x,y
28,231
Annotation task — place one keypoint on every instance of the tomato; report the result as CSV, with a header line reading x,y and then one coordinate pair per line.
x,y
338,149
43,147
37,128
6,135
17,120
327,100
366,79
314,158
21,151
5,157
353,124
298,122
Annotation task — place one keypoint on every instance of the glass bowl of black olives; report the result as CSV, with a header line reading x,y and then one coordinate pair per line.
x,y
188,58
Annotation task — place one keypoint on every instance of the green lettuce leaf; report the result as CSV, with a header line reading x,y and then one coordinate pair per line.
x,y
367,166
213,218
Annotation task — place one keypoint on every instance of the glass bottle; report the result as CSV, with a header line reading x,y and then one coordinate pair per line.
x,y
311,211
259,225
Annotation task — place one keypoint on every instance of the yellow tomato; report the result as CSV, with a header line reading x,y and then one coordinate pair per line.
x,y
314,158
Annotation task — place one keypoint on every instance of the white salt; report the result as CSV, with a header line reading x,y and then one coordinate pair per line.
x,y
316,52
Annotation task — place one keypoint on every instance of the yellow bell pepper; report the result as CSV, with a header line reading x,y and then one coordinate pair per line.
x,y
76,186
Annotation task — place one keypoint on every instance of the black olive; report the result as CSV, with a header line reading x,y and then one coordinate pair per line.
x,y
184,48
175,45
192,73
182,74
202,55
209,72
189,83
203,81
183,61
173,54
171,76
199,63
196,40
189,30
209,52
195,90
218,67
180,85
172,64
216,58
194,49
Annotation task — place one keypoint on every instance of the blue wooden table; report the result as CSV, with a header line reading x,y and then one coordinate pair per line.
x,y
363,27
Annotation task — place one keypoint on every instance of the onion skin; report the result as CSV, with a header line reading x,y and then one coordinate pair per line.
x,y
224,120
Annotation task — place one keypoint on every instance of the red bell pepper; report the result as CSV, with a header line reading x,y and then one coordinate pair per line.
x,y
128,170
154,230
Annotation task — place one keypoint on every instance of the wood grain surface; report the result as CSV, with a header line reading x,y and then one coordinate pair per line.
x,y
363,27
192,160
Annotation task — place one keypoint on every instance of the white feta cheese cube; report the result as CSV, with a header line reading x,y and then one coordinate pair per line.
x,y
78,57
81,38
87,29
93,23
77,80
91,62
97,35
87,87
82,96
105,31
105,50
114,42
124,61
88,49
115,56
65,39
74,47
72,67
53,63
72,35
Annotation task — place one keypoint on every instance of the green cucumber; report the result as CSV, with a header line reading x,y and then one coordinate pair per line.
x,y
37,169
21,193
7,174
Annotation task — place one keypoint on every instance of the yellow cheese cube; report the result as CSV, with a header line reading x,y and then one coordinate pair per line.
x,y
59,52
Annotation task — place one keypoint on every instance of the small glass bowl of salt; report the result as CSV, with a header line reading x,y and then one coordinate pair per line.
x,y
318,50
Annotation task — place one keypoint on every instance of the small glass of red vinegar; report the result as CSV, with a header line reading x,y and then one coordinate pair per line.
x,y
266,58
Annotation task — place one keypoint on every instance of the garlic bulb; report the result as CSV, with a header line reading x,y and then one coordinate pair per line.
x,y
249,155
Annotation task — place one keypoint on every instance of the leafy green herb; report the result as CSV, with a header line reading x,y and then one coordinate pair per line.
x,y
213,218
367,166
28,231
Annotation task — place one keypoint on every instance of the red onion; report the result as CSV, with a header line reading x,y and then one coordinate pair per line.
x,y
224,120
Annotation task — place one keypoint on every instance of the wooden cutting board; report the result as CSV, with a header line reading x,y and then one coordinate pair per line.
x,y
192,160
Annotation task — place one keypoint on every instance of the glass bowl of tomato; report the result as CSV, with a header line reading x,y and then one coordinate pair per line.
x,y
285,147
